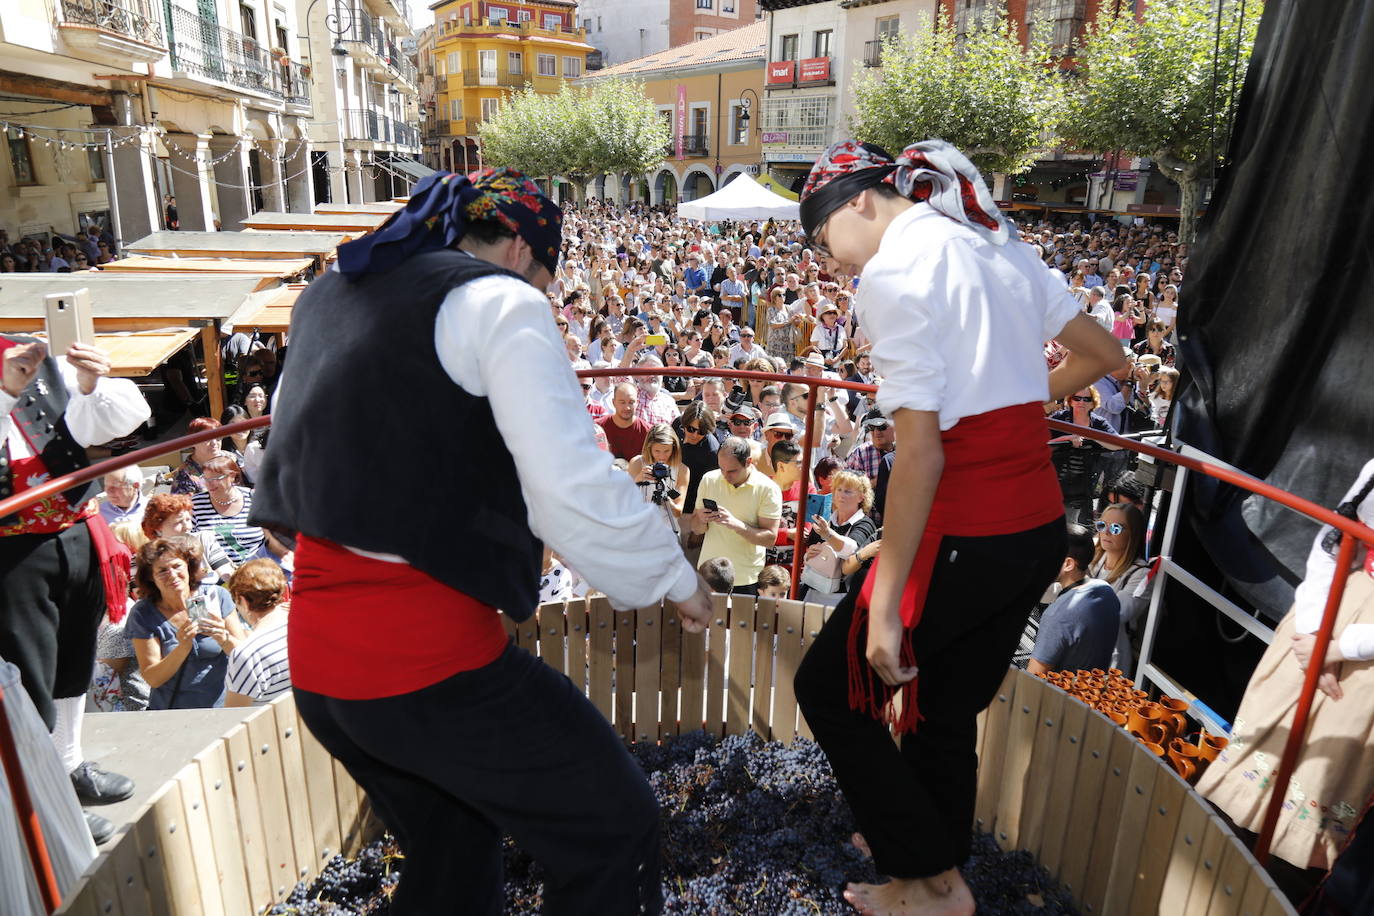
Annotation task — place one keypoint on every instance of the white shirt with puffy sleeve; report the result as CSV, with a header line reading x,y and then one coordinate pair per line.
x,y
957,323
1309,601
495,340
115,408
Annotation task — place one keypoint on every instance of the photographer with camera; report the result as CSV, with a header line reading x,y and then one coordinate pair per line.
x,y
660,473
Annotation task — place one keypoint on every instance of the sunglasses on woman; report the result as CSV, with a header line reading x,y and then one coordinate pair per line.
x,y
1080,399
1112,528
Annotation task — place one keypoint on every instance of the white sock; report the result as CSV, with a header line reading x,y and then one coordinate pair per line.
x,y
66,732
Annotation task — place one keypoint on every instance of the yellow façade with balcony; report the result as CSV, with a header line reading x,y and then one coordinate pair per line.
x,y
483,51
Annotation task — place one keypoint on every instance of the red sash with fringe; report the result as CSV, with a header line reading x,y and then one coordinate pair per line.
x,y
998,479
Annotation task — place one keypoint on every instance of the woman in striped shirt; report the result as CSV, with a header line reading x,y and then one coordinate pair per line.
x,y
258,668
223,510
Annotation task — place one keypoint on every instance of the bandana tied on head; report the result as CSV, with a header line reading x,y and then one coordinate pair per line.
x,y
932,171
441,207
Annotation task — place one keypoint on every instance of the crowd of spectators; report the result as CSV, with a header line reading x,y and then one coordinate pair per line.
x,y
56,252
639,288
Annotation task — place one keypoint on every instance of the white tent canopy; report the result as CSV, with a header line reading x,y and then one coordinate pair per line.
x,y
742,198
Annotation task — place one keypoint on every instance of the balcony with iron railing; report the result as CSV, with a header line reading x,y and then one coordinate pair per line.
x,y
366,124
377,50
507,26
295,83
873,53
692,145
122,29
205,49
500,78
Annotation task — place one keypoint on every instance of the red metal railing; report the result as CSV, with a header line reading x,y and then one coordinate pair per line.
x,y
1351,533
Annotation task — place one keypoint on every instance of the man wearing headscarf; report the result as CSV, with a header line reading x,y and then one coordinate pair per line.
x,y
958,310
426,342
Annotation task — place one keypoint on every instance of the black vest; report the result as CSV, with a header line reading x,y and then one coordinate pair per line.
x,y
41,414
374,446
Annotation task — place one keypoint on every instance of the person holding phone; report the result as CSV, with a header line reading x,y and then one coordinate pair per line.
x,y
182,629
958,310
60,567
846,529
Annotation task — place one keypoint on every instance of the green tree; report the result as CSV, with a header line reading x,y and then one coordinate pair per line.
x,y
1161,87
607,126
995,99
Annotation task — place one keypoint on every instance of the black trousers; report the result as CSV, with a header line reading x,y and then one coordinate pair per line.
x,y
915,803
512,748
52,600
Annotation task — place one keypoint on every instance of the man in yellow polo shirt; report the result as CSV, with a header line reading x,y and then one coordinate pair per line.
x,y
748,507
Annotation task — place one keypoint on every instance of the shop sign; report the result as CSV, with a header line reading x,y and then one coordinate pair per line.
x,y
781,71
775,136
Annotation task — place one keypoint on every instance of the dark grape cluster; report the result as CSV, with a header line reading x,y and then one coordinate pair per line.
x,y
348,887
749,827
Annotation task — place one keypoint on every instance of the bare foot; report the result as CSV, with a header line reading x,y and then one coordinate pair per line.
x,y
859,843
943,895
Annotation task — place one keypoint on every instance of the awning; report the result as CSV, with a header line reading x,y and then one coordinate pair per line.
x,y
416,170
274,315
270,272
137,353
278,221
259,245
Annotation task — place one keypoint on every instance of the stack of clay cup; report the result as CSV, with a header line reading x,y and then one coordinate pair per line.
x,y
1161,726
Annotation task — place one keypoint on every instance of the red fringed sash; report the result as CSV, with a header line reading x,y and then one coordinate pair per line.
x,y
998,479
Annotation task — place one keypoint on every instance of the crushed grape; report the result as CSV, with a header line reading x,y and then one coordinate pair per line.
x,y
749,827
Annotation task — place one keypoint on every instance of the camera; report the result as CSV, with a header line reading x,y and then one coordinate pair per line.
x,y
663,490
735,399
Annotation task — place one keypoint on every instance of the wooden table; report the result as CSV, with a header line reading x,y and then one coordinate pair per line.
x,y
353,223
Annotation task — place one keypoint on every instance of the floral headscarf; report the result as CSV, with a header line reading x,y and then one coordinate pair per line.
x,y
932,171
437,216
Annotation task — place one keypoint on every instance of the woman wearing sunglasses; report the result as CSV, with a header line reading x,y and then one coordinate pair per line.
x,y
1119,560
1076,458
958,309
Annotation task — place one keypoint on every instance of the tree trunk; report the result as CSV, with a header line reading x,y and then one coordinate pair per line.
x,y
1189,196
1188,177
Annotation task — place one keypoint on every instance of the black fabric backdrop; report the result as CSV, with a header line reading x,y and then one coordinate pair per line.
x,y
1276,326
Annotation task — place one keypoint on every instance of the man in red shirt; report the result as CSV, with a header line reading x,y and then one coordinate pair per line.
x,y
624,431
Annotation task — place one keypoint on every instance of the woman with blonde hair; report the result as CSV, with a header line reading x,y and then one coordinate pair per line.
x,y
847,532
662,447
1119,561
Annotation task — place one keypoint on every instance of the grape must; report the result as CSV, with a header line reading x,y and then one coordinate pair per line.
x,y
749,827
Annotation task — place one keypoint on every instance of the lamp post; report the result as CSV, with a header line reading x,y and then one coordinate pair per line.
x,y
745,118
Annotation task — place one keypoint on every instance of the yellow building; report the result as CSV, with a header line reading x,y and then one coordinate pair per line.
x,y
706,92
483,51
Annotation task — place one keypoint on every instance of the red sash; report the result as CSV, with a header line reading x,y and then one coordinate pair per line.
x,y
998,479
362,628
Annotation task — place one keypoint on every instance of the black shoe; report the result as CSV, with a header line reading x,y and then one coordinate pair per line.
x,y
94,786
101,828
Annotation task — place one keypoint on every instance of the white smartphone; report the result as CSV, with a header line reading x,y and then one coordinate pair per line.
x,y
197,608
67,319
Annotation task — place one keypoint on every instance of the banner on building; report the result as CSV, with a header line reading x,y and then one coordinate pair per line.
x,y
773,136
814,70
680,117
